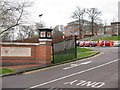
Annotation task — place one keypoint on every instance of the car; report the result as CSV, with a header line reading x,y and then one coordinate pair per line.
x,y
102,43
93,44
77,43
107,43
82,43
116,43
87,44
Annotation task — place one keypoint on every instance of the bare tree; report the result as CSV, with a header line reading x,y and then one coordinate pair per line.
x,y
11,15
56,31
113,26
79,15
93,15
39,25
104,27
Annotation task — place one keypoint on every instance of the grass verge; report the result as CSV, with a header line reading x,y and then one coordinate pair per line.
x,y
81,50
82,55
114,38
6,71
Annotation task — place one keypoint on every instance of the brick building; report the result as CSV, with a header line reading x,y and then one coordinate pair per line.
x,y
72,28
114,28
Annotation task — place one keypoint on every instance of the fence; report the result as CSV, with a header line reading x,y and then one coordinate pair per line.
x,y
64,50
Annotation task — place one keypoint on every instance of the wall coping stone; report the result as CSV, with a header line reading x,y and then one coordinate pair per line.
x,y
14,43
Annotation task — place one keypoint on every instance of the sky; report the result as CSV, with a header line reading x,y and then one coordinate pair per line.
x,y
59,12
119,12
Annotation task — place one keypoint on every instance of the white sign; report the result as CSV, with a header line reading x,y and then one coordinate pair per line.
x,y
16,51
42,34
85,83
49,34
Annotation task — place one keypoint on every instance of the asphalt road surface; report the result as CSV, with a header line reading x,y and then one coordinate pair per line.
x,y
100,71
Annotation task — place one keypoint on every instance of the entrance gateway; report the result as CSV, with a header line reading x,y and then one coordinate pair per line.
x,y
38,53
15,54
64,50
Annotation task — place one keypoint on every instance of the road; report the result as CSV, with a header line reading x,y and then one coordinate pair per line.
x,y
100,71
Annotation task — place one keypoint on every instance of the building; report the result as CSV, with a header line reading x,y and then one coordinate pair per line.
x,y
72,28
114,28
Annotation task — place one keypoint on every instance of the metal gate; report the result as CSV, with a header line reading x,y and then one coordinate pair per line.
x,y
63,51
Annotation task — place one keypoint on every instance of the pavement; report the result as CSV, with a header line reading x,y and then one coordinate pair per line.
x,y
100,71
22,69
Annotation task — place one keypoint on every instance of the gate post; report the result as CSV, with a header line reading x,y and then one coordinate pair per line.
x,y
43,51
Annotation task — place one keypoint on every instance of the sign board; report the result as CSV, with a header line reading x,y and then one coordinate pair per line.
x,y
16,51
49,34
42,34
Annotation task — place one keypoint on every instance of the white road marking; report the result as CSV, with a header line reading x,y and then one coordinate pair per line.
x,y
77,73
86,62
85,83
75,65
71,82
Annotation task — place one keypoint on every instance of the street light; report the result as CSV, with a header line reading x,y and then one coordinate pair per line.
x,y
40,19
40,15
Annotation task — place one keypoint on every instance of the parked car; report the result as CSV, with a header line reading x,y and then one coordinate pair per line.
x,y
87,43
82,43
116,43
93,44
77,43
102,43
107,43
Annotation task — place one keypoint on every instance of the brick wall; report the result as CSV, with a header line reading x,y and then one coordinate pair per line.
x,y
39,54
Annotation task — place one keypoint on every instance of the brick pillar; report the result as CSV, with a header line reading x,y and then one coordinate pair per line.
x,y
43,52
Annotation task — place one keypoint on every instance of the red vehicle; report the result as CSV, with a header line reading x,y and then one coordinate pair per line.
x,y
87,44
107,43
81,44
102,43
93,44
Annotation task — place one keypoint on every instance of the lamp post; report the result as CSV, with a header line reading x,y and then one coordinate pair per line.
x,y
40,20
75,37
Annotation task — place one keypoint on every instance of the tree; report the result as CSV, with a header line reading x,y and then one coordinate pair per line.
x,y
113,26
57,35
11,16
57,32
104,27
39,25
79,15
93,15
